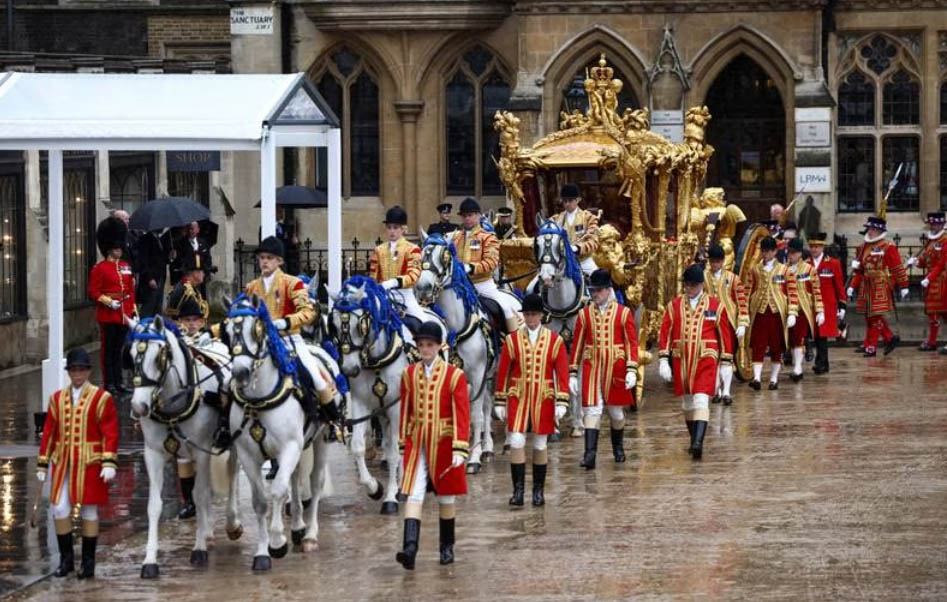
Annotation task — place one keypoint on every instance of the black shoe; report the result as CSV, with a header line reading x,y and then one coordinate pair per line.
x,y
274,468
412,529
795,377
518,472
87,565
715,399
591,446
892,344
809,355
942,350
773,386
539,484
188,510
697,446
727,400
618,449
871,353
860,349
818,369
67,558
755,385
447,539
926,346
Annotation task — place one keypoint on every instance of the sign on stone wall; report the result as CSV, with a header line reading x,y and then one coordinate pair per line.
x,y
813,179
251,20
669,124
193,161
813,133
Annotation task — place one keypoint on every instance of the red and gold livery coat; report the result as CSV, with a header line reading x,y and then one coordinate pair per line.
x,y
581,231
288,299
808,290
111,280
435,419
880,271
728,288
934,259
606,342
696,339
532,379
773,291
479,248
77,440
404,264
832,286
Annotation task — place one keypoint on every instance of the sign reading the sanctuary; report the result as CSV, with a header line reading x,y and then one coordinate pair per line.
x,y
251,20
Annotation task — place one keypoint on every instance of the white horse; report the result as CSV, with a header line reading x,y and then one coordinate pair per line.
x,y
560,282
173,385
268,422
444,283
375,347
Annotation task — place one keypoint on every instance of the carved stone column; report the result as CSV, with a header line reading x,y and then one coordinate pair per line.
x,y
408,111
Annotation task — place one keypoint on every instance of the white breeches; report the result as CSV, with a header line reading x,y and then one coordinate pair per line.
x,y
616,413
63,508
310,362
699,401
488,288
420,484
725,378
518,441
588,265
411,305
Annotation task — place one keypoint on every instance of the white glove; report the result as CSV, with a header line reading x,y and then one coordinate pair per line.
x,y
115,304
457,461
904,293
850,292
469,268
741,332
856,264
790,321
560,412
841,314
108,473
575,248
280,324
500,412
573,385
664,369
631,379
41,476
911,262
390,284
925,283
819,318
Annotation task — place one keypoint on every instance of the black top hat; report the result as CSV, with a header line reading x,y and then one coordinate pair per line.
x,y
429,330
599,279
111,234
271,245
694,274
396,215
569,192
469,205
937,217
444,208
817,238
716,252
533,302
768,244
876,222
78,358
796,245
504,211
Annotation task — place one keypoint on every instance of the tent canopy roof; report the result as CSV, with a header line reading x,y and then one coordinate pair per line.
x,y
155,111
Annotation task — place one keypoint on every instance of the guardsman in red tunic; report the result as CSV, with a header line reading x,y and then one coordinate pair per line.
x,y
696,336
726,286
832,286
773,309
396,263
878,271
809,298
605,346
434,438
581,225
112,288
532,393
932,259
80,448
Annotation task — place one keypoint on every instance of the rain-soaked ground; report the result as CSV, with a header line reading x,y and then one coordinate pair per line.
x,y
831,489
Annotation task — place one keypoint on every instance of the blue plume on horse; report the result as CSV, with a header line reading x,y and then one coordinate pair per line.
x,y
143,331
459,282
331,349
285,361
485,224
375,302
341,383
573,269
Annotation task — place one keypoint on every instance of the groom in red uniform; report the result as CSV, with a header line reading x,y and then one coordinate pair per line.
x,y
832,286
932,258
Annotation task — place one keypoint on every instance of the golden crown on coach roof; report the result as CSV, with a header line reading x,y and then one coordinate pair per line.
x,y
602,73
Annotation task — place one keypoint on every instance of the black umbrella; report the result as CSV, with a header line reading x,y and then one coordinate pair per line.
x,y
300,197
209,231
167,212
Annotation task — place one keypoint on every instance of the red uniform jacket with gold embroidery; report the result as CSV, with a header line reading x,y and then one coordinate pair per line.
x,y
696,340
288,299
606,343
581,231
773,291
404,264
808,291
112,280
880,272
481,249
934,259
832,286
729,290
435,420
532,379
77,441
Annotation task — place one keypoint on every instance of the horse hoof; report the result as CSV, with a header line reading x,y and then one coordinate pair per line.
x,y
379,493
473,468
487,456
261,564
389,508
233,534
199,557
297,536
310,545
278,552
149,571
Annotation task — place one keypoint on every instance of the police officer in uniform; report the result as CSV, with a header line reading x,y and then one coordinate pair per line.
x,y
444,225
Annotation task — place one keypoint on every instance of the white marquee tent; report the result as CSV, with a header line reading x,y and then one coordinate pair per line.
x,y
58,112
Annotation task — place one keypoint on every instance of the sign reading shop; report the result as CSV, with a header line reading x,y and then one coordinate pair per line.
x,y
193,161
251,20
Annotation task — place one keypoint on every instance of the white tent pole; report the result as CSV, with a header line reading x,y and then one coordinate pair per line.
x,y
52,367
267,184
335,209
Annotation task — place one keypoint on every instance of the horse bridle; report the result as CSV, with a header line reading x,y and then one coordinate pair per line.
x,y
440,272
238,347
139,376
543,255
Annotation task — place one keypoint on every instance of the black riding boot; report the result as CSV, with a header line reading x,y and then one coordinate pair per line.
x,y
188,510
447,538
87,566
618,449
690,430
518,472
412,529
697,444
67,558
539,484
591,445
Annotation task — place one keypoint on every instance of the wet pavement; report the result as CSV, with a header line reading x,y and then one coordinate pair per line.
x,y
831,489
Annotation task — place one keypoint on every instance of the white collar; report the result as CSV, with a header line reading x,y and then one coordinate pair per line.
x,y
718,273
770,265
869,239
818,260
76,393
693,301
194,243
936,236
268,282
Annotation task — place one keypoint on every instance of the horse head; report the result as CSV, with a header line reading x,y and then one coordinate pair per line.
x,y
439,267
553,253
156,356
247,335
361,314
